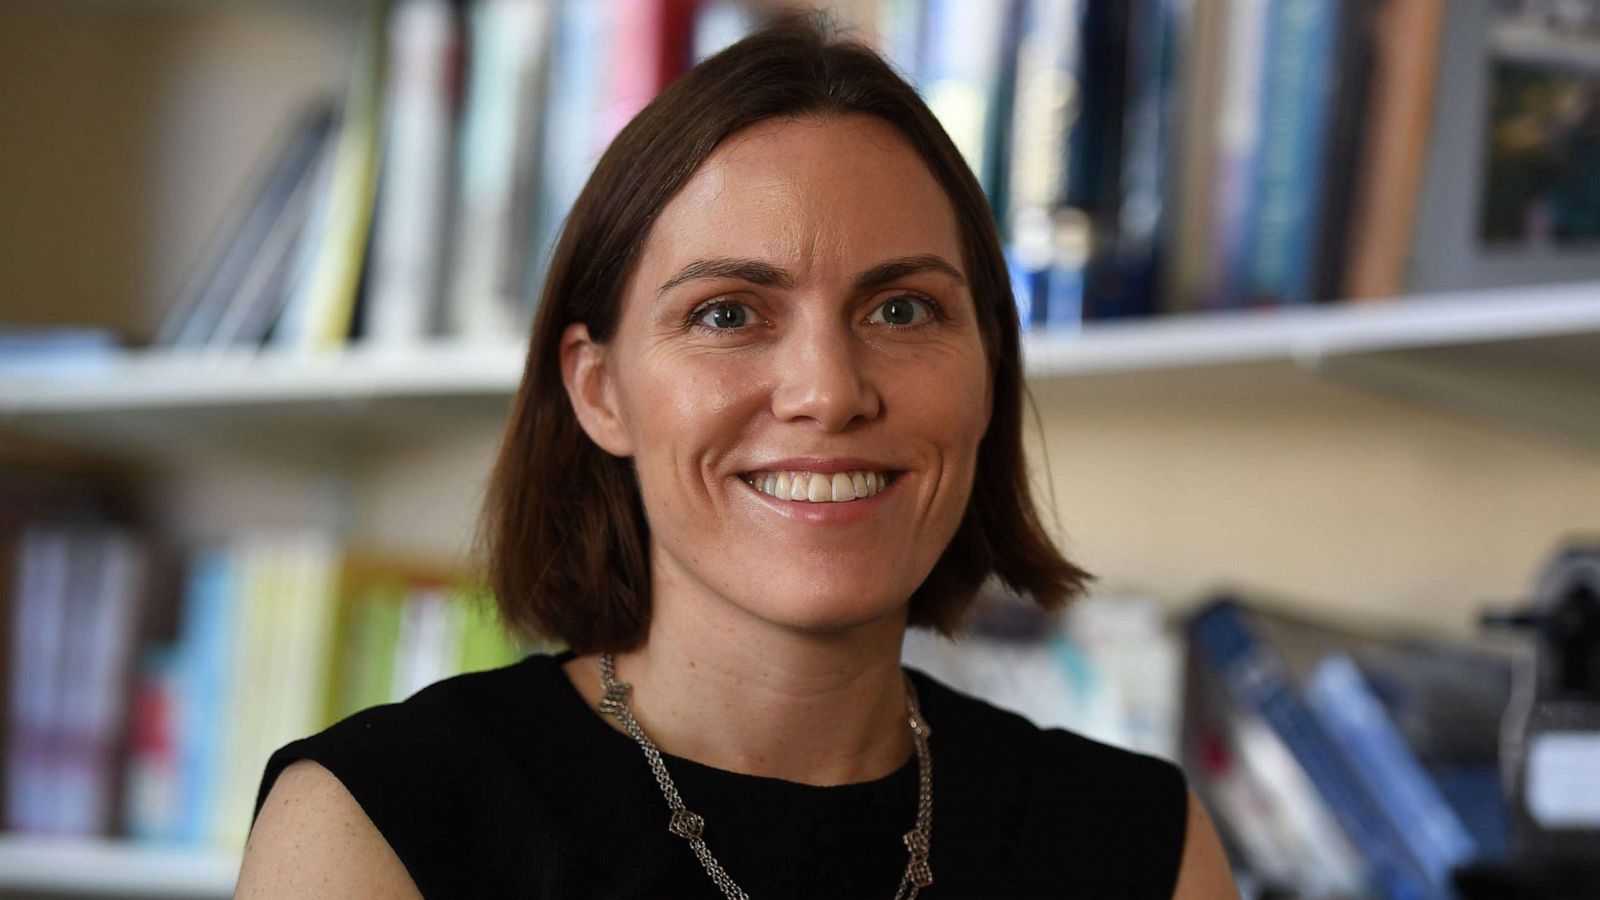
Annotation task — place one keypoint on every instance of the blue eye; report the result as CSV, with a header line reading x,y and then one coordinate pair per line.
x,y
903,310
724,316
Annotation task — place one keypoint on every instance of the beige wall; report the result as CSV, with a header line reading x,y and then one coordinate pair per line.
x,y
1331,498
129,129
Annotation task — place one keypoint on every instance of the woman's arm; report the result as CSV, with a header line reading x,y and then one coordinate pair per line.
x,y
313,840
1204,873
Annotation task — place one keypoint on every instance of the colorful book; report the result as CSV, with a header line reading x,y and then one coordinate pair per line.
x,y
1257,679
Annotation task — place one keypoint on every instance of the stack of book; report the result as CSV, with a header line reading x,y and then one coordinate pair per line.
x,y
1144,157
147,687
1341,764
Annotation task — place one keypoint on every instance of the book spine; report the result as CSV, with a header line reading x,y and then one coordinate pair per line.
x,y
336,272
569,135
1042,235
1384,208
1295,109
1375,751
40,628
413,207
1256,679
962,68
1237,143
1202,48
210,630
116,597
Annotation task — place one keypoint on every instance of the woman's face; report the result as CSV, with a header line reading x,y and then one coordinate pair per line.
x,y
799,329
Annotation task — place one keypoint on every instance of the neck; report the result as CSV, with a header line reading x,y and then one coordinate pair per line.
x,y
816,708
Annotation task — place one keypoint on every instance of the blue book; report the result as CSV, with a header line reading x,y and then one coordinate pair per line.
x,y
209,613
1296,107
1257,679
1375,750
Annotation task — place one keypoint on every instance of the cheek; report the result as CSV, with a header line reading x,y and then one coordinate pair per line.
x,y
684,409
949,399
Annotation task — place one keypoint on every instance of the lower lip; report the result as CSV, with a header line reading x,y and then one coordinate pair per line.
x,y
827,513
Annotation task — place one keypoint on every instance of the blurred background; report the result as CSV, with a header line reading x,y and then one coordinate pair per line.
x,y
1312,298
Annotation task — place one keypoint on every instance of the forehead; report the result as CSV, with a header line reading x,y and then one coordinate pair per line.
x,y
825,196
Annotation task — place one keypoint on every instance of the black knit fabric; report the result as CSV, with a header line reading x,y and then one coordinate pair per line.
x,y
506,784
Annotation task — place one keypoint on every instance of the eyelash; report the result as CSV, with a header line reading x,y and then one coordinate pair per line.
x,y
935,313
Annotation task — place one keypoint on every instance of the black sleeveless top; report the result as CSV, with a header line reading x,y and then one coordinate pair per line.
x,y
506,783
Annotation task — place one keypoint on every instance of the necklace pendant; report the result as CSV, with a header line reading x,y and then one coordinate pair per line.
x,y
686,825
612,702
918,870
921,873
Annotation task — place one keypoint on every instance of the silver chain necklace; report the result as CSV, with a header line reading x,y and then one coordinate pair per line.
x,y
691,827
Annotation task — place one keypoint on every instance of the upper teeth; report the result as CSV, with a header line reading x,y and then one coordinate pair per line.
x,y
818,487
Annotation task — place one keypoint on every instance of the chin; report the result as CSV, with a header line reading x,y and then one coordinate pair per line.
x,y
827,611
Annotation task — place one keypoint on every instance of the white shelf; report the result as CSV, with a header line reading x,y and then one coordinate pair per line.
x,y
1525,356
167,379
1310,335
111,868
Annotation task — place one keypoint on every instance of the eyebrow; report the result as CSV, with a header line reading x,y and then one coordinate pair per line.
x,y
767,275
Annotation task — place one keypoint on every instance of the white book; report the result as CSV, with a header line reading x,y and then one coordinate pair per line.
x,y
39,616
410,231
426,649
498,168
109,623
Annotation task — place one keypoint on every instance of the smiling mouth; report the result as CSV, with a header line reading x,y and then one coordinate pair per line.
x,y
820,487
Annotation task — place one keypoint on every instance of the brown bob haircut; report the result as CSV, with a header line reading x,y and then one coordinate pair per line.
x,y
563,532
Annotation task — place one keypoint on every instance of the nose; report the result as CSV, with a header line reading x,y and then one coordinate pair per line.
x,y
823,377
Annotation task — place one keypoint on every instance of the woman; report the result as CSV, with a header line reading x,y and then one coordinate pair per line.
x,y
771,416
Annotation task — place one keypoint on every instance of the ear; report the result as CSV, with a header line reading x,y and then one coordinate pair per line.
x,y
592,391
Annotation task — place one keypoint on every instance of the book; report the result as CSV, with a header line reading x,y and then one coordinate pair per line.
x,y
1045,237
253,230
1238,130
506,111
1349,113
1300,38
961,69
320,316
1360,729
1191,267
653,40
1255,677
58,351
1276,826
411,222
569,141
103,612
1387,184
39,626
265,286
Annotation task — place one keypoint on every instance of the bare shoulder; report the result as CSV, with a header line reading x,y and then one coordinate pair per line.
x,y
312,839
1204,873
